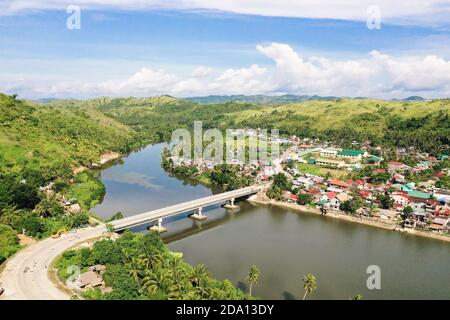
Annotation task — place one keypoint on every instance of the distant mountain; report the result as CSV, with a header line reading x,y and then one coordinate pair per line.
x,y
414,98
263,99
411,98
46,100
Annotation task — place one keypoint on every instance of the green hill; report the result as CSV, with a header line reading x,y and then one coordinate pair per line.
x,y
54,138
423,124
260,99
41,144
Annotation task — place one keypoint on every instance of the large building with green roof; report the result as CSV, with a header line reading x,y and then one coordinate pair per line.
x,y
419,195
350,154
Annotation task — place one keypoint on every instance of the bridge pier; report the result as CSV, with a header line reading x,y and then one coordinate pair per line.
x,y
198,215
230,205
197,205
158,227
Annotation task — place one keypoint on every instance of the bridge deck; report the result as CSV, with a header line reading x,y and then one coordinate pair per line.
x,y
183,207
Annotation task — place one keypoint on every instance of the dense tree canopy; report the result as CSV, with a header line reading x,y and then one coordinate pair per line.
x,y
141,267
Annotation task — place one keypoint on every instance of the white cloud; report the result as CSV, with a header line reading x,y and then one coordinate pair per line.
x,y
417,11
374,75
145,80
201,72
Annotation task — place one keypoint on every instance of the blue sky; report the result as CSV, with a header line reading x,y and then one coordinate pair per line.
x,y
125,52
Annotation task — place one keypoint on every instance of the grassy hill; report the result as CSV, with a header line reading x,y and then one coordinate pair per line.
x,y
339,113
46,137
41,144
423,124
260,99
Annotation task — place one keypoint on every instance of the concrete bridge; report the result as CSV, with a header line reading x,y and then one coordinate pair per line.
x,y
195,206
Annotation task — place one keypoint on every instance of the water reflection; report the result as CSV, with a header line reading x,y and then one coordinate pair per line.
x,y
284,244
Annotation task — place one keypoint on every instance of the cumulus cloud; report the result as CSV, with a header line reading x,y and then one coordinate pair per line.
x,y
373,75
201,72
145,80
416,11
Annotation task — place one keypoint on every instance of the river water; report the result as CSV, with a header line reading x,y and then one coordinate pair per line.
x,y
284,244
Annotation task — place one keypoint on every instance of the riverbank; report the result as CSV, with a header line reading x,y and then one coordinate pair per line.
x,y
258,199
105,158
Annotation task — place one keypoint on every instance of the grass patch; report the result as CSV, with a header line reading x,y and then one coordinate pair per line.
x,y
88,190
318,171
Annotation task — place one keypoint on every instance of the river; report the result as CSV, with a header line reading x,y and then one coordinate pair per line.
x,y
284,244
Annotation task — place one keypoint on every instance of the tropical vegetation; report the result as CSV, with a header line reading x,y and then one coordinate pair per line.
x,y
309,284
140,267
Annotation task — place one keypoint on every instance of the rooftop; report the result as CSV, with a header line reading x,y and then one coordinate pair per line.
x,y
419,194
350,152
339,183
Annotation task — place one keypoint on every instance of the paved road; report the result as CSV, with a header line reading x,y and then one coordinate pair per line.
x,y
288,152
25,276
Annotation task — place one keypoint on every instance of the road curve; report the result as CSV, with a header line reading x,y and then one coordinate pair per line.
x,y
25,276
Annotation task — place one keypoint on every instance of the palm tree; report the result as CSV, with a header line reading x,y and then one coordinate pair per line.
x,y
309,284
199,274
135,269
157,281
253,277
149,262
199,279
180,283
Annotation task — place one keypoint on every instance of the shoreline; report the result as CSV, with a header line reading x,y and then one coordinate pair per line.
x,y
363,220
105,159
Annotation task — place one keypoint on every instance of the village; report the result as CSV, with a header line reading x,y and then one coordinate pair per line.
x,y
362,183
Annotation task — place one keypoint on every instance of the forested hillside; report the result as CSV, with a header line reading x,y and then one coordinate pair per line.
x,y
422,124
51,139
41,144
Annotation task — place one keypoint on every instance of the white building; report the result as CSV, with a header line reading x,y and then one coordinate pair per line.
x,y
328,153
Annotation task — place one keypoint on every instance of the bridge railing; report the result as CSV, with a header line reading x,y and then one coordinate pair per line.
x,y
183,207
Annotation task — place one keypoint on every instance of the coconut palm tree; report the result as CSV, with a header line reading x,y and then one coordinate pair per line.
x,y
134,269
253,277
309,284
199,280
180,283
157,281
198,275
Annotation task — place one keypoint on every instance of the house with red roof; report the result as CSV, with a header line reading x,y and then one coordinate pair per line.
x,y
364,193
441,214
339,183
315,192
356,184
290,197
333,201
394,166
400,200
